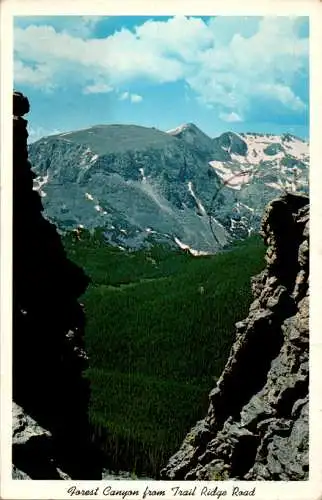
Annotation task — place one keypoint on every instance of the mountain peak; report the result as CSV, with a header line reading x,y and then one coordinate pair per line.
x,y
184,127
117,138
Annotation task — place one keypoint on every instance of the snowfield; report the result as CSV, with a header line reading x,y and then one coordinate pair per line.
x,y
242,168
256,145
231,178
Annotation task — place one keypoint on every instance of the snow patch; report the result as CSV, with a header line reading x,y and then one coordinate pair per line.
x,y
234,180
93,158
183,246
274,185
233,224
177,130
199,204
141,170
297,148
39,182
238,158
256,145
239,203
221,168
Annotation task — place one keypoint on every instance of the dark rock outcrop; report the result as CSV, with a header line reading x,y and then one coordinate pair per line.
x,y
33,449
232,143
48,323
257,423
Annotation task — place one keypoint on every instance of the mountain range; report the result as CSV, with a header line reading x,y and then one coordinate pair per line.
x,y
181,186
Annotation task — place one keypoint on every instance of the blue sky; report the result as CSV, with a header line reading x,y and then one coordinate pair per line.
x,y
221,73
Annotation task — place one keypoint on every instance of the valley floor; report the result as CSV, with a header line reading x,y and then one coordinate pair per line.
x,y
159,329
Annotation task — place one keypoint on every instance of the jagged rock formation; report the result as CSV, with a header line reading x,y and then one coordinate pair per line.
x,y
33,448
48,322
257,423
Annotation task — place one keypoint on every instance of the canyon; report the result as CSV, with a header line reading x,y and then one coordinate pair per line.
x,y
256,427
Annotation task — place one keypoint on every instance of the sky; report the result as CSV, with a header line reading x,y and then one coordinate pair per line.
x,y
244,74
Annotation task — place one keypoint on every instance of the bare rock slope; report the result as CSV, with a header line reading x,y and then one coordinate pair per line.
x,y
182,187
256,427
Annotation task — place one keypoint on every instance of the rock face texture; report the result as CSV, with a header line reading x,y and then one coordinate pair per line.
x,y
48,322
33,448
257,422
144,185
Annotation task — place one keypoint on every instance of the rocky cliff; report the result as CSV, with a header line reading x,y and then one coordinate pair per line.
x,y
256,427
50,428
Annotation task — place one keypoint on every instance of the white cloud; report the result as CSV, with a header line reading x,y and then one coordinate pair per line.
x,y
37,75
131,97
226,62
179,36
231,76
79,26
230,117
224,28
116,59
282,93
136,98
98,88
124,96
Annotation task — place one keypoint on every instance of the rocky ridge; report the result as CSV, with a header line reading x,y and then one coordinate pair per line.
x,y
50,426
181,187
256,427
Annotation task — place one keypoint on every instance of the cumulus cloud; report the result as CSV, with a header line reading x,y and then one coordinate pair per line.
x,y
98,88
131,97
38,75
282,93
80,26
230,117
136,98
232,75
180,37
227,62
124,96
